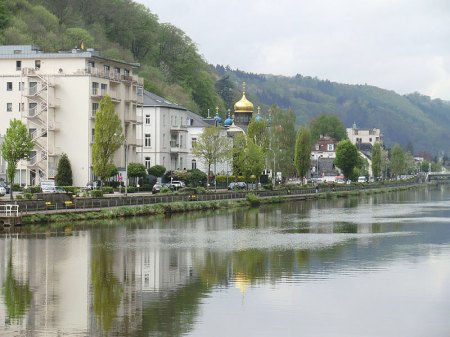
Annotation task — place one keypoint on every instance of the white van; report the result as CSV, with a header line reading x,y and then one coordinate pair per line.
x,y
362,179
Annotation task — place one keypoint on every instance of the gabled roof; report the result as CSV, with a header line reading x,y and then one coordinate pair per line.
x,y
151,99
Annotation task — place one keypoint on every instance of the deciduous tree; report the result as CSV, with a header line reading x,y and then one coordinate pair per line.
x,y
347,157
302,158
108,138
328,125
211,147
17,145
376,160
397,160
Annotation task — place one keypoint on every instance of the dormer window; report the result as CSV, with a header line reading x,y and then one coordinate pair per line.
x,y
330,147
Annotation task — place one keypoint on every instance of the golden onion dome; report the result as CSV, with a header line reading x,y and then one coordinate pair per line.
x,y
244,105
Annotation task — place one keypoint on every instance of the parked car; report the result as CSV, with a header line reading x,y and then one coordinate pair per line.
x,y
5,186
93,185
2,191
156,188
240,185
176,184
362,179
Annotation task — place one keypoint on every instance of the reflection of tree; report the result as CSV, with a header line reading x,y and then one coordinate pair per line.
x,y
106,287
17,296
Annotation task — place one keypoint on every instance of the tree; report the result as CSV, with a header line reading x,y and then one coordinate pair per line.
x,y
17,145
212,148
328,125
282,140
250,160
347,157
108,138
157,170
397,160
302,158
64,172
136,170
376,160
257,130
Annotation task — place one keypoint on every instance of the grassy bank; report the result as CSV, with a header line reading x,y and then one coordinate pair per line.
x,y
189,206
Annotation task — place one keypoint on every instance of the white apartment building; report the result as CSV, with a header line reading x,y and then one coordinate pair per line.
x,y
56,95
364,136
168,134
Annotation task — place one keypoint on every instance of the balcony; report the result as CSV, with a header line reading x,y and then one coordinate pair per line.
x,y
178,128
175,147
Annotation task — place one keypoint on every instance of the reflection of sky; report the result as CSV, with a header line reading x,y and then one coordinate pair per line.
x,y
406,298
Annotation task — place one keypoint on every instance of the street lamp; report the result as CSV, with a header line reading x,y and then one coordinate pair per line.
x,y
126,165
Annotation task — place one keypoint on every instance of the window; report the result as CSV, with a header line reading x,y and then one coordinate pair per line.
x,y
147,162
370,140
117,71
140,91
8,106
21,106
181,163
32,109
18,65
126,72
330,147
148,140
194,142
94,88
93,135
194,164
317,147
33,88
147,119
106,68
9,86
37,64
94,108
104,89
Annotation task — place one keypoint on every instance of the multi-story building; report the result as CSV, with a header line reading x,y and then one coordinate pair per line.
x,y
57,95
322,157
364,136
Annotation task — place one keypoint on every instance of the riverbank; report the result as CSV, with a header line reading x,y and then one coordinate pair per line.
x,y
167,208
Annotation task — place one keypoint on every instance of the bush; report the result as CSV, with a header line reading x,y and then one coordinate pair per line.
x,y
200,190
28,195
97,193
131,189
19,197
33,189
71,189
16,187
253,199
107,190
165,190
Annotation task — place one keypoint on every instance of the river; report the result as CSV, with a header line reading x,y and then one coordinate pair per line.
x,y
374,265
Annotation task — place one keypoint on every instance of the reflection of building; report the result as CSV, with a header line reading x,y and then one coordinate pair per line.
x,y
57,274
57,95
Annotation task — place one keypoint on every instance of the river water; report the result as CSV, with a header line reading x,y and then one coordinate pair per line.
x,y
369,266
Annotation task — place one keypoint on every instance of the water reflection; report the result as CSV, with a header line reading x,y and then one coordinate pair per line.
x,y
165,276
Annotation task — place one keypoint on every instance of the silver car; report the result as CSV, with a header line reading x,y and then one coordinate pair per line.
x,y
2,191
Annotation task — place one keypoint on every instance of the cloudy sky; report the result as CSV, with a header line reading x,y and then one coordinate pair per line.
x,y
400,45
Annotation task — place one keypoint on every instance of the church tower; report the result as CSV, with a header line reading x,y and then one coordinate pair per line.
x,y
243,111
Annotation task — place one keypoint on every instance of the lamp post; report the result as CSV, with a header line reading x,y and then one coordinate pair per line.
x,y
126,165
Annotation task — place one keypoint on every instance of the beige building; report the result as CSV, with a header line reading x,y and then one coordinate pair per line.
x,y
56,95
364,136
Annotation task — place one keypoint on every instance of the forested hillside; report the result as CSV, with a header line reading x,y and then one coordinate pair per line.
x,y
120,29
414,121
172,67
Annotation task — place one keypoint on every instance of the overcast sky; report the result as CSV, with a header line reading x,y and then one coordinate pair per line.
x,y
400,45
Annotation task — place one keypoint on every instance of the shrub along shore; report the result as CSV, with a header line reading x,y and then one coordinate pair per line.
x,y
168,208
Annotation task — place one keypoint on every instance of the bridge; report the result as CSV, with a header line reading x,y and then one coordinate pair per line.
x,y
437,176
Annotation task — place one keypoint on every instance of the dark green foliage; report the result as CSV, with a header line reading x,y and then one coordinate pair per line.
x,y
328,125
157,170
376,160
347,157
64,172
195,178
97,193
136,170
302,157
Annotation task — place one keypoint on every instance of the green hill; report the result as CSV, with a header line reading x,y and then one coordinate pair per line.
x,y
172,67
412,120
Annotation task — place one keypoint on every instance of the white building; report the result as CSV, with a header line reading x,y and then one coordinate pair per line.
x,y
56,95
364,136
168,133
